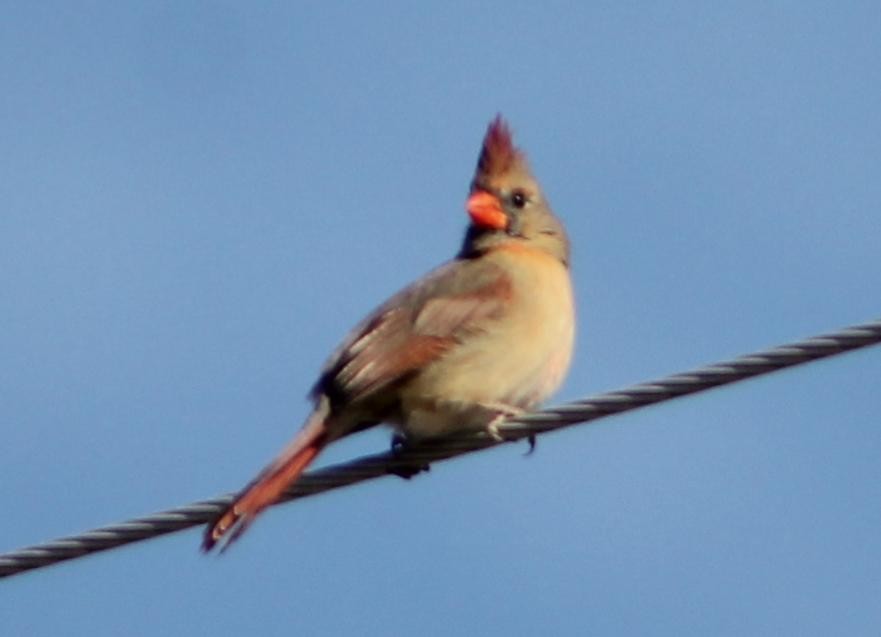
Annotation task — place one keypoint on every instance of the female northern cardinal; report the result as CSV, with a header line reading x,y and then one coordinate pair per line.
x,y
485,336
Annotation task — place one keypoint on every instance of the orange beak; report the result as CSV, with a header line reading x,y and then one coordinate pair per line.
x,y
485,211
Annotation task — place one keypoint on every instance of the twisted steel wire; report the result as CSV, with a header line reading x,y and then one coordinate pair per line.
x,y
417,457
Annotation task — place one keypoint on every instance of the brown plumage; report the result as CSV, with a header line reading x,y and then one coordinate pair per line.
x,y
498,154
483,336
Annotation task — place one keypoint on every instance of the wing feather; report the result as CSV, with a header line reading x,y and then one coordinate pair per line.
x,y
415,327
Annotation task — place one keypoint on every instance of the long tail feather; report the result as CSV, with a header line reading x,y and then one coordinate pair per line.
x,y
270,483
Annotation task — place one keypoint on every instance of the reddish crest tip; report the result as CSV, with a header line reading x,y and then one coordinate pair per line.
x,y
498,152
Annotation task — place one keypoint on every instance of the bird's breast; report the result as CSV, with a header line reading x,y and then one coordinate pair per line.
x,y
517,359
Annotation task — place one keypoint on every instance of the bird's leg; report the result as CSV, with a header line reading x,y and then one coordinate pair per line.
x,y
399,446
398,443
503,412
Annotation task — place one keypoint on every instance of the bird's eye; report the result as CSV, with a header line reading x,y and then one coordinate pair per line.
x,y
518,199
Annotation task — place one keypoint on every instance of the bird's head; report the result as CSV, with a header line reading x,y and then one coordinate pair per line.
x,y
506,203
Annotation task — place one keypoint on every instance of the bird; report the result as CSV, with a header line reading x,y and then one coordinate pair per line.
x,y
483,337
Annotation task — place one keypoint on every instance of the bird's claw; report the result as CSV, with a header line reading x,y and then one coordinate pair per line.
x,y
399,445
503,413
408,471
492,429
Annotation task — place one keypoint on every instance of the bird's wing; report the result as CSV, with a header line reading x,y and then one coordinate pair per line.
x,y
415,327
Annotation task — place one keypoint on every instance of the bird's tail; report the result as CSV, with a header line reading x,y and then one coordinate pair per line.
x,y
272,482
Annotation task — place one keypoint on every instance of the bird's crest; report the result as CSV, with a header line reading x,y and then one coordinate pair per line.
x,y
498,154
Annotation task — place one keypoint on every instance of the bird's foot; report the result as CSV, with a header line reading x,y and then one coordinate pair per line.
x,y
399,445
503,412
492,429
409,470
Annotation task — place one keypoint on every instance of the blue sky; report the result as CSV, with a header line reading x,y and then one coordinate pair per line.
x,y
199,199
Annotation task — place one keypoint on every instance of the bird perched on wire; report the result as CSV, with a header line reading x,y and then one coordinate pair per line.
x,y
481,338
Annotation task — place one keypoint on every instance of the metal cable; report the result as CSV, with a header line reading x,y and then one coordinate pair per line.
x,y
418,457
